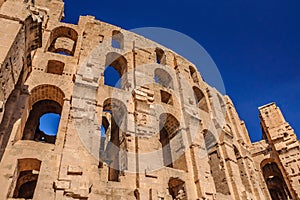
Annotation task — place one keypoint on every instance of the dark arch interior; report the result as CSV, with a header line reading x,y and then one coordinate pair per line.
x,y
166,97
166,147
177,189
169,128
193,74
200,99
27,177
26,190
104,131
116,124
275,182
63,41
105,125
55,67
160,56
32,130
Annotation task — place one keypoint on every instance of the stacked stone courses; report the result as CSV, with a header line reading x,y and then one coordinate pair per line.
x,y
161,133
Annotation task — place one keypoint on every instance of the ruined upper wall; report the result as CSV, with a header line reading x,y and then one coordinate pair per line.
x,y
279,148
274,126
20,34
198,141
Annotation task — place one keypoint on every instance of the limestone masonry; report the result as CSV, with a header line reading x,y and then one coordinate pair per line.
x,y
160,133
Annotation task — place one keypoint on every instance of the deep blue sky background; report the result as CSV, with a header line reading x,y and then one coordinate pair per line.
x,y
255,44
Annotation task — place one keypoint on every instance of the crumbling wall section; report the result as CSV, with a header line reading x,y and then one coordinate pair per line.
x,y
158,132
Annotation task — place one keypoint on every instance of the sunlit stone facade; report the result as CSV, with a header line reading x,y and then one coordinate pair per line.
x,y
160,133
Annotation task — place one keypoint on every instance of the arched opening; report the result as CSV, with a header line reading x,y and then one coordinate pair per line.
x,y
63,41
216,164
115,70
27,176
105,132
166,147
176,188
163,78
105,126
171,141
193,74
160,56
275,182
44,116
200,99
33,125
117,40
166,97
112,77
115,132
55,67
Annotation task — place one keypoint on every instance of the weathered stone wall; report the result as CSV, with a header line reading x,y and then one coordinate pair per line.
x,y
20,35
281,149
168,134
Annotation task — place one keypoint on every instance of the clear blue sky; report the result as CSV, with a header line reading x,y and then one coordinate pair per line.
x,y
255,44
49,123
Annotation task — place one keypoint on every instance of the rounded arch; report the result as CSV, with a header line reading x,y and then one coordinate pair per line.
x,y
160,56
63,31
176,188
44,99
266,161
276,183
46,92
163,78
117,126
117,40
27,177
200,99
105,123
117,109
116,61
115,70
169,127
193,74
105,131
63,40
169,123
271,169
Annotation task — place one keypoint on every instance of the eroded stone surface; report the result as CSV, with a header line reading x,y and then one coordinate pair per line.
x,y
168,134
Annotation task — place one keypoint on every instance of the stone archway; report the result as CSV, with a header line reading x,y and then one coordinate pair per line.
x,y
276,184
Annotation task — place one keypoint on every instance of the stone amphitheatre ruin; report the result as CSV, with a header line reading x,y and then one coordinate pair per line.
x,y
167,134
